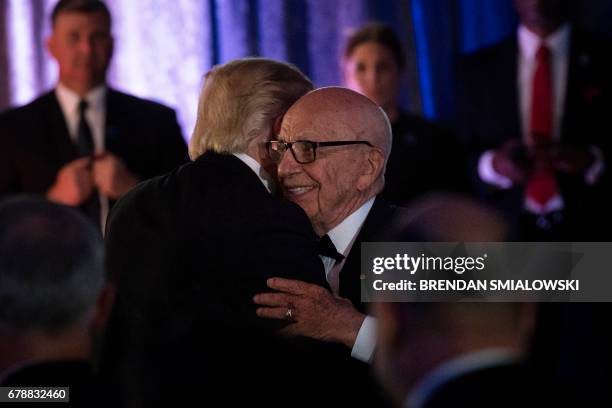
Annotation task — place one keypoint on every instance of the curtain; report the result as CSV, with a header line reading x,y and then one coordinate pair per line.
x,y
163,47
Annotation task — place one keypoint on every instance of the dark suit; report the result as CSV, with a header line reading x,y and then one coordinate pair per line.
x,y
189,250
354,379
375,228
421,155
35,142
488,116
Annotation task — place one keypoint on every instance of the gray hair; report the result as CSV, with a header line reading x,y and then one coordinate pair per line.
x,y
51,266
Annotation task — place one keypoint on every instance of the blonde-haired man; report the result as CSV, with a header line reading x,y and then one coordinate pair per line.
x,y
190,249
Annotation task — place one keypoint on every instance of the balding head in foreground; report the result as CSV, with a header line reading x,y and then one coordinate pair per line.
x,y
488,341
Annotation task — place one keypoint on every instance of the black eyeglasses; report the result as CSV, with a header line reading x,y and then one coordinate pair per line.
x,y
304,151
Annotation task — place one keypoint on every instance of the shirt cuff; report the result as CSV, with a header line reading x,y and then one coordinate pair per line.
x,y
594,172
365,343
487,172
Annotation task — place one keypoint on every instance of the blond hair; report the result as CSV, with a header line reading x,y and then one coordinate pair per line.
x,y
242,99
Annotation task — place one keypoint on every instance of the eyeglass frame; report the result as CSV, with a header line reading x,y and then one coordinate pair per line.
x,y
314,145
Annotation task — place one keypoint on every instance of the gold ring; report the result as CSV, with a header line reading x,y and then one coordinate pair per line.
x,y
289,314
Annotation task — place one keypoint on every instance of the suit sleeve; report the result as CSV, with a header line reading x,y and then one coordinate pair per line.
x,y
289,246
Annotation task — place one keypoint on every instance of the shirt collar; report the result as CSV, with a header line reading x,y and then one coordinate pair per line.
x,y
343,234
457,367
69,100
557,42
261,173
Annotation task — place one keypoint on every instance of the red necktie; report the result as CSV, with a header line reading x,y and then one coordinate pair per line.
x,y
542,185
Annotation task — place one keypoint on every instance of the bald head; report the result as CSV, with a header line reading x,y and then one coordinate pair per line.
x,y
344,112
351,139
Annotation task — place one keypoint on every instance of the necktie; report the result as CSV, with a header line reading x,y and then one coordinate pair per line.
x,y
326,247
85,143
85,147
542,185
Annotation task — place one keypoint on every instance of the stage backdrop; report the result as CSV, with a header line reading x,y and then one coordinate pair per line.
x,y
163,47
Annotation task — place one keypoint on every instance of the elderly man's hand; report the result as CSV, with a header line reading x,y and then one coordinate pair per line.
x,y
315,312
111,176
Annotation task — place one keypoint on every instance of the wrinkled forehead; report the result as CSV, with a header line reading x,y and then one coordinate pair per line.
x,y
317,126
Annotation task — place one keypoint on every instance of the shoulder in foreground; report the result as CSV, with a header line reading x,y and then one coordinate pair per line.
x,y
153,192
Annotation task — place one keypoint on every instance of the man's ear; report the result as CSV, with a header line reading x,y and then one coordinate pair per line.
x,y
104,307
51,46
526,319
372,169
388,324
277,125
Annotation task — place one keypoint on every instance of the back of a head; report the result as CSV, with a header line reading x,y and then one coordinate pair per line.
x,y
241,100
80,6
450,218
457,218
51,266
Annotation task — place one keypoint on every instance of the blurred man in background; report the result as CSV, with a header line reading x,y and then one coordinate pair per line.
x,y
533,112
84,144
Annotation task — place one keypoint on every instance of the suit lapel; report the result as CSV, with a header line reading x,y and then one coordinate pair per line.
x,y
579,76
378,219
58,129
508,89
113,123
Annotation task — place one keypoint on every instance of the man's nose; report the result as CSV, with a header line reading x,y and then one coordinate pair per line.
x,y
85,45
371,77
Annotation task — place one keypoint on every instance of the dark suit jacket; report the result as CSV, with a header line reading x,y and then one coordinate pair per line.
x,y
353,379
35,143
505,385
376,228
188,252
488,115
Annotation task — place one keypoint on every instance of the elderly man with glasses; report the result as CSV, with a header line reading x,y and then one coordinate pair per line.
x,y
339,142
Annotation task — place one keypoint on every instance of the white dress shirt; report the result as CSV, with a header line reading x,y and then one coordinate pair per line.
x,y
96,119
262,174
528,44
343,236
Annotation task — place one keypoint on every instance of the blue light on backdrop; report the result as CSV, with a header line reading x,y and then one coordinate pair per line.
x,y
163,47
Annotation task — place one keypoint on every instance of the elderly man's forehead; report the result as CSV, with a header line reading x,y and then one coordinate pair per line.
x,y
318,127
